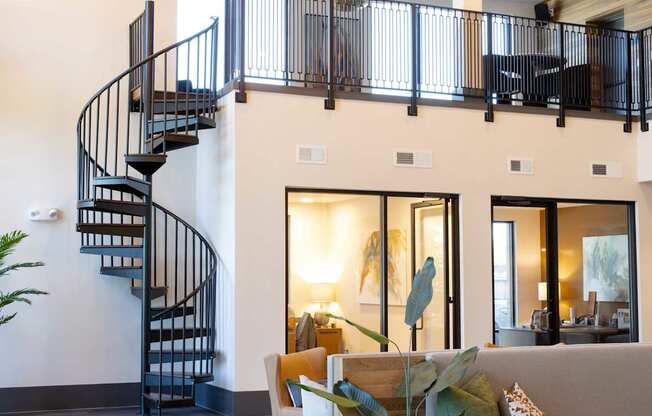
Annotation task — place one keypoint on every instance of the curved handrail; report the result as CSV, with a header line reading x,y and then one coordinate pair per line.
x,y
211,274
141,63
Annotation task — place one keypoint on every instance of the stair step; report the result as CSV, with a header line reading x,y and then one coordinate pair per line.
x,y
174,141
167,356
124,230
128,272
156,401
179,124
167,334
190,310
194,105
177,378
114,251
147,164
155,293
159,95
125,184
112,206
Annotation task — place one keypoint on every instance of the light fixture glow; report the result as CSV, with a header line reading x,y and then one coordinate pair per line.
x,y
307,200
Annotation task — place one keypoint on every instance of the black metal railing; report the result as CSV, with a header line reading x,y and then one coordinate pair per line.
x,y
164,93
137,37
422,51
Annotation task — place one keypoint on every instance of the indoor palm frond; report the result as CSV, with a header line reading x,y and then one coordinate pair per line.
x,y
8,243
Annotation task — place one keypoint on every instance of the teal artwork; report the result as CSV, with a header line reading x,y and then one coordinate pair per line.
x,y
606,267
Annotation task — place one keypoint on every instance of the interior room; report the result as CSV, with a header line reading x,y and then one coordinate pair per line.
x,y
593,252
335,251
325,207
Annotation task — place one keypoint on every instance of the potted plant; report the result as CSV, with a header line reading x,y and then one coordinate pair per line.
x,y
421,379
8,243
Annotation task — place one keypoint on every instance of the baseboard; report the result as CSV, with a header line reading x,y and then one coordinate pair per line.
x,y
94,396
84,396
230,403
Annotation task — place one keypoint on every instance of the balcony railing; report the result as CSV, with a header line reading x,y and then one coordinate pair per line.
x,y
420,51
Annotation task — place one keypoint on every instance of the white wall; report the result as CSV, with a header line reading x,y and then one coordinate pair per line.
x,y
469,159
55,55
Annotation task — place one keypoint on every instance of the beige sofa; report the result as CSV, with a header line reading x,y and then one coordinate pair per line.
x,y
577,380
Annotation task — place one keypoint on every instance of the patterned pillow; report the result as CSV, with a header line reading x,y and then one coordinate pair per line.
x,y
516,403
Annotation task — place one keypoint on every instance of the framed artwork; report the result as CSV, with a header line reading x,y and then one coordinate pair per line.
x,y
606,267
369,278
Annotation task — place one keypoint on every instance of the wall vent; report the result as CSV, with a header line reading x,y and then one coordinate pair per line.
x,y
311,153
413,159
520,166
606,170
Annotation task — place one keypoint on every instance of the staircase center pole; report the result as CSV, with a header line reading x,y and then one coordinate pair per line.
x,y
147,93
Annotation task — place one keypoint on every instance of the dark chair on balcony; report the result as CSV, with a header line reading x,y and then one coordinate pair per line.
x,y
577,87
505,76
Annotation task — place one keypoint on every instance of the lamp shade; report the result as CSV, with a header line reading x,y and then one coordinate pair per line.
x,y
322,292
543,291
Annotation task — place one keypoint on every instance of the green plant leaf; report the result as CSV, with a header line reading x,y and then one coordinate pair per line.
x,y
8,243
381,339
368,405
340,401
422,377
456,370
421,293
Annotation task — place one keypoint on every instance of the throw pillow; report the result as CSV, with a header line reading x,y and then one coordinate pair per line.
x,y
516,403
475,398
295,394
314,405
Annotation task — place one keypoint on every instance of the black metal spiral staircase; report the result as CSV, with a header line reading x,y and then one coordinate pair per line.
x,y
124,134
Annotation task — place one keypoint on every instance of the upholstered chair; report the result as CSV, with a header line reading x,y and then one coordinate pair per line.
x,y
310,363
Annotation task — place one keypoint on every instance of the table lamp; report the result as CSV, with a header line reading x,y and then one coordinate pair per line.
x,y
543,291
323,294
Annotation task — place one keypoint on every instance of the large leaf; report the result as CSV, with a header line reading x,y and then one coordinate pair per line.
x,y
456,370
421,293
340,401
368,405
381,339
422,376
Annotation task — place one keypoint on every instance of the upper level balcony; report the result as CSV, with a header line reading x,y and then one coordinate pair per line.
x,y
421,54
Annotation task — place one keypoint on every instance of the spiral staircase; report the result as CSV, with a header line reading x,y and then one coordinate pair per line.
x,y
124,134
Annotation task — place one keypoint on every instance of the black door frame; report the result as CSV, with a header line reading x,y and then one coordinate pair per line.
x,y
512,265
448,297
552,263
383,195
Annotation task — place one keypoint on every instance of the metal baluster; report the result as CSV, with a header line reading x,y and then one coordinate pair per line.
x,y
241,95
329,102
641,79
488,70
416,58
561,120
627,128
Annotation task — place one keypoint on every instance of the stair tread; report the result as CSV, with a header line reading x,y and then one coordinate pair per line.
x,y
167,400
179,124
145,163
128,272
126,184
135,208
113,246
174,141
178,374
125,230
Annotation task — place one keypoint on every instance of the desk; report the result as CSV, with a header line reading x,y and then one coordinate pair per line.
x,y
329,338
568,335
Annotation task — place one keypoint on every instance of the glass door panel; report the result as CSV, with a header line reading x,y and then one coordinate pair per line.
x,y
520,276
417,226
594,273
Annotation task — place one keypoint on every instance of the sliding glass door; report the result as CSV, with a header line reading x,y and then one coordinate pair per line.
x,y
563,271
354,254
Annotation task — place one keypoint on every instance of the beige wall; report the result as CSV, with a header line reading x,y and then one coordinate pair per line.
x,y
469,159
55,55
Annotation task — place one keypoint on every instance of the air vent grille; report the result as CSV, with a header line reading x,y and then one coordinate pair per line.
x,y
599,169
607,170
520,166
413,159
311,153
